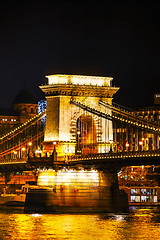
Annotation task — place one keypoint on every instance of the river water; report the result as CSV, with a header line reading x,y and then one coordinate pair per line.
x,y
140,223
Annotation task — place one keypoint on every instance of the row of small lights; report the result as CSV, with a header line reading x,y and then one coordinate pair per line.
x,y
15,162
18,128
123,120
23,148
128,121
5,120
132,115
122,156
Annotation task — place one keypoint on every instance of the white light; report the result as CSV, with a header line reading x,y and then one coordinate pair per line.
x,y
36,215
79,80
38,151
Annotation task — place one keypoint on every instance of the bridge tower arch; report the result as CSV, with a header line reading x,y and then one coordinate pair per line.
x,y
62,116
86,135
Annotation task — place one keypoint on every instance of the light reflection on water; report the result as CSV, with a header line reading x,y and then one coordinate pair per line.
x,y
138,224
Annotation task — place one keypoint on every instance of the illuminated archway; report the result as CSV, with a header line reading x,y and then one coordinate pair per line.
x,y
86,135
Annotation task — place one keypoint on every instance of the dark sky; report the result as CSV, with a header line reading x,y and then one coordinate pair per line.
x,y
119,39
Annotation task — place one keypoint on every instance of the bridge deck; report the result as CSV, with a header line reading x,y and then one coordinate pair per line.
x,y
111,161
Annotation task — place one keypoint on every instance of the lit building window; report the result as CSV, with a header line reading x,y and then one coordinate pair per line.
x,y
135,198
143,198
154,198
143,191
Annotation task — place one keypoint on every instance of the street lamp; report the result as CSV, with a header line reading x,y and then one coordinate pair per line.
x,y
141,144
29,148
111,142
15,153
23,151
30,144
127,145
78,132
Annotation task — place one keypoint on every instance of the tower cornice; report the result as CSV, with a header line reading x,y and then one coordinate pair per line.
x,y
78,90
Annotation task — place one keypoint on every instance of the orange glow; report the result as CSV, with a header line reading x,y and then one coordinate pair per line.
x,y
30,144
23,149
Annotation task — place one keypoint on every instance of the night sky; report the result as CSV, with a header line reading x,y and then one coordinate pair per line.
x,y
118,39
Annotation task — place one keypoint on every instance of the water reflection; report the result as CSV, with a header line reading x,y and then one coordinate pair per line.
x,y
138,224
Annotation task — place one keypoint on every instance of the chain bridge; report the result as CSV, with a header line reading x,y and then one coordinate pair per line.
x,y
83,126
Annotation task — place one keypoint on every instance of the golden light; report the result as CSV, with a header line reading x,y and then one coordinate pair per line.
x,y
140,143
127,144
15,152
23,149
30,144
78,132
72,178
54,143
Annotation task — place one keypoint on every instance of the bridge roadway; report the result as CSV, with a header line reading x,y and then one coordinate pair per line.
x,y
111,161
115,161
29,164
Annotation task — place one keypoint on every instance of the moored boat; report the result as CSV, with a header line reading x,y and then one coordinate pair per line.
x,y
17,198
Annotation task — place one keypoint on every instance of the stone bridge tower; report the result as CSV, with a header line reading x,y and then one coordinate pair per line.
x,y
70,129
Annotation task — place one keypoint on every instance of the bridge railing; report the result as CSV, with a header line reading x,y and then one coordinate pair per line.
x,y
112,155
19,146
13,161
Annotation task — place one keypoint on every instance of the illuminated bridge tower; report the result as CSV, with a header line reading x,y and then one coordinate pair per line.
x,y
69,128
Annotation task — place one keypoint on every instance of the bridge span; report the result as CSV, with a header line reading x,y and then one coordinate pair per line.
x,y
116,160
83,128
101,160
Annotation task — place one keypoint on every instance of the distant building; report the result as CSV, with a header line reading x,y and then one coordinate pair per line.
x,y
149,112
157,98
146,142
126,140
24,107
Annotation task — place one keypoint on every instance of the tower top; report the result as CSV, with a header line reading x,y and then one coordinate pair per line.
x,y
79,80
79,85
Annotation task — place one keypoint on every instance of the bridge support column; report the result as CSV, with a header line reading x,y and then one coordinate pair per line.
x,y
7,176
112,197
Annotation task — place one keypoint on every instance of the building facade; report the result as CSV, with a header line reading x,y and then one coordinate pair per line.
x,y
24,107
